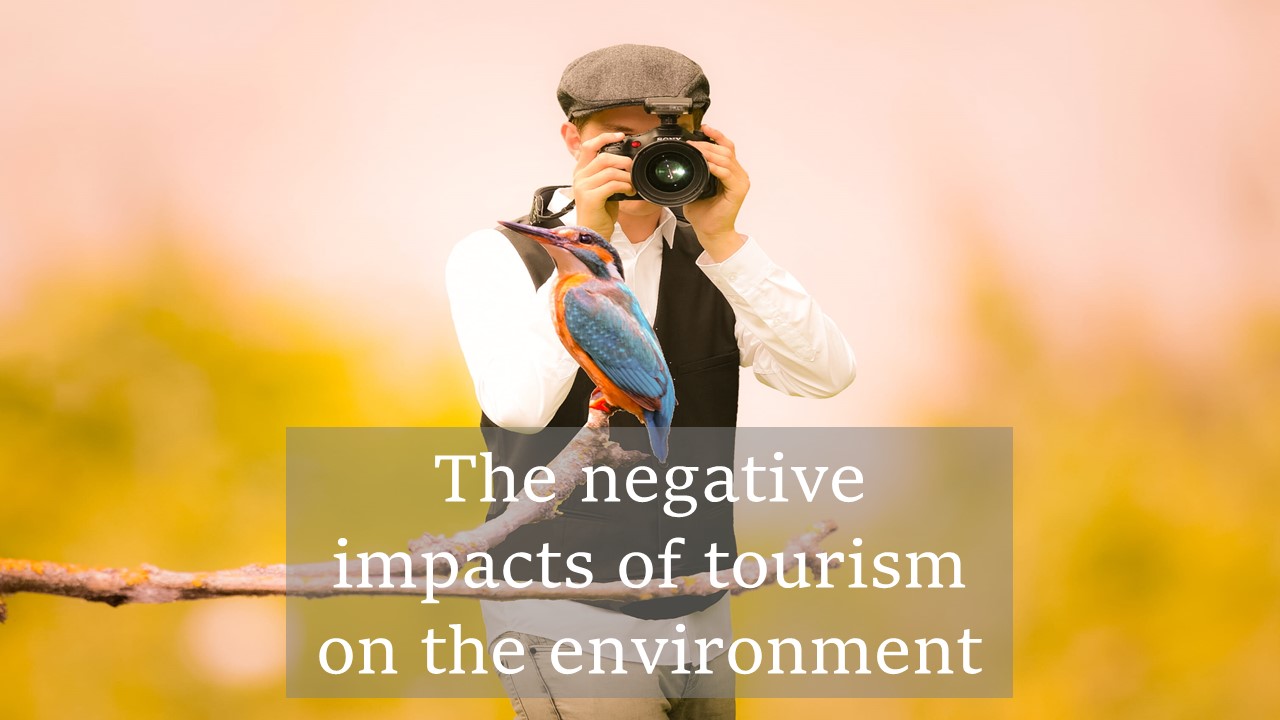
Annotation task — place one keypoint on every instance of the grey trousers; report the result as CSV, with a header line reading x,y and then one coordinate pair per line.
x,y
540,692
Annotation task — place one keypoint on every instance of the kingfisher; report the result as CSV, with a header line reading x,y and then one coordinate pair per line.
x,y
599,320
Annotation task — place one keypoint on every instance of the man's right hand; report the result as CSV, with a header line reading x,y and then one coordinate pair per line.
x,y
597,176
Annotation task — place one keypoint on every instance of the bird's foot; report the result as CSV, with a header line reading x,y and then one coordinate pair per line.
x,y
599,404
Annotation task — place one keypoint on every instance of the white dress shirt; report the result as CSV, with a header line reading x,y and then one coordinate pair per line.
x,y
522,373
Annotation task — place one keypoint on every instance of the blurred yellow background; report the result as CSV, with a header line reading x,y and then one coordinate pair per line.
x,y
219,220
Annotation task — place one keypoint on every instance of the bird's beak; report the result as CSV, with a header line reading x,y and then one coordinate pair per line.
x,y
542,235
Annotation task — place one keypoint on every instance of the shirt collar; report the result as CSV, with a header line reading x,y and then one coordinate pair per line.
x,y
562,196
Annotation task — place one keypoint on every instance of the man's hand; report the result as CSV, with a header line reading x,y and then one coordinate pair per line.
x,y
713,218
597,176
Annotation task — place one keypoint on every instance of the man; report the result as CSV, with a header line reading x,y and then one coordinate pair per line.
x,y
716,301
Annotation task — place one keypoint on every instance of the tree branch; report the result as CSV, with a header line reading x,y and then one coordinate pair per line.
x,y
146,584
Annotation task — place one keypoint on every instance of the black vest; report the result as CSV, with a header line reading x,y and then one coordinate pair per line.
x,y
694,324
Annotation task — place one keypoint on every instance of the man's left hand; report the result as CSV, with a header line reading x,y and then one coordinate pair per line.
x,y
714,218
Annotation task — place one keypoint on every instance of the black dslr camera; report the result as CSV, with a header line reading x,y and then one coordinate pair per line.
x,y
666,169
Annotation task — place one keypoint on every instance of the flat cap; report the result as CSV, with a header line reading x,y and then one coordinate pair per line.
x,y
627,74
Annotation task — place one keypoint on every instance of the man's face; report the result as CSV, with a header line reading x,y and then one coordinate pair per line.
x,y
629,119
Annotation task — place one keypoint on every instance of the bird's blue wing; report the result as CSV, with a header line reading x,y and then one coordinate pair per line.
x,y
609,326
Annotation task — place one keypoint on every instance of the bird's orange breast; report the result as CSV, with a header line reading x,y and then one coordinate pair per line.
x,y
612,393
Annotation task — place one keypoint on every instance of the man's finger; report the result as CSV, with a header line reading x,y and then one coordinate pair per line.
x,y
720,171
732,177
723,161
712,149
589,149
607,160
595,180
610,188
718,136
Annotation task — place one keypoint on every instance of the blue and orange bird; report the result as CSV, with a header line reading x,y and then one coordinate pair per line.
x,y
601,325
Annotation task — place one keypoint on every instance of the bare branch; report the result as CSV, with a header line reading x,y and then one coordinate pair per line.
x,y
591,446
142,584
150,584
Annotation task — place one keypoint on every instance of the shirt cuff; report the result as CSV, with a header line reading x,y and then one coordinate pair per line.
x,y
742,271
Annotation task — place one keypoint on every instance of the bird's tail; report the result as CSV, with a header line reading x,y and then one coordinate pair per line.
x,y
659,430
658,422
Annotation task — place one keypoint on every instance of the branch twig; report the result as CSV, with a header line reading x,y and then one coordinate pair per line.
x,y
591,446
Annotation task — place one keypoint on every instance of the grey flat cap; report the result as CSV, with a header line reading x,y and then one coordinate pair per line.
x,y
626,75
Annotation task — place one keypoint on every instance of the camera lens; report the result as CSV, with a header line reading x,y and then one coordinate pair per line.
x,y
670,172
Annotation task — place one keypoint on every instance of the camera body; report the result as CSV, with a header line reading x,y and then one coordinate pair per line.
x,y
666,169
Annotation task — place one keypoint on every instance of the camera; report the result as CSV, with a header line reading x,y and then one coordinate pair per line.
x,y
666,169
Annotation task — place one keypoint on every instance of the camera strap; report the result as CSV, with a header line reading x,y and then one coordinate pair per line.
x,y
536,258
538,213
